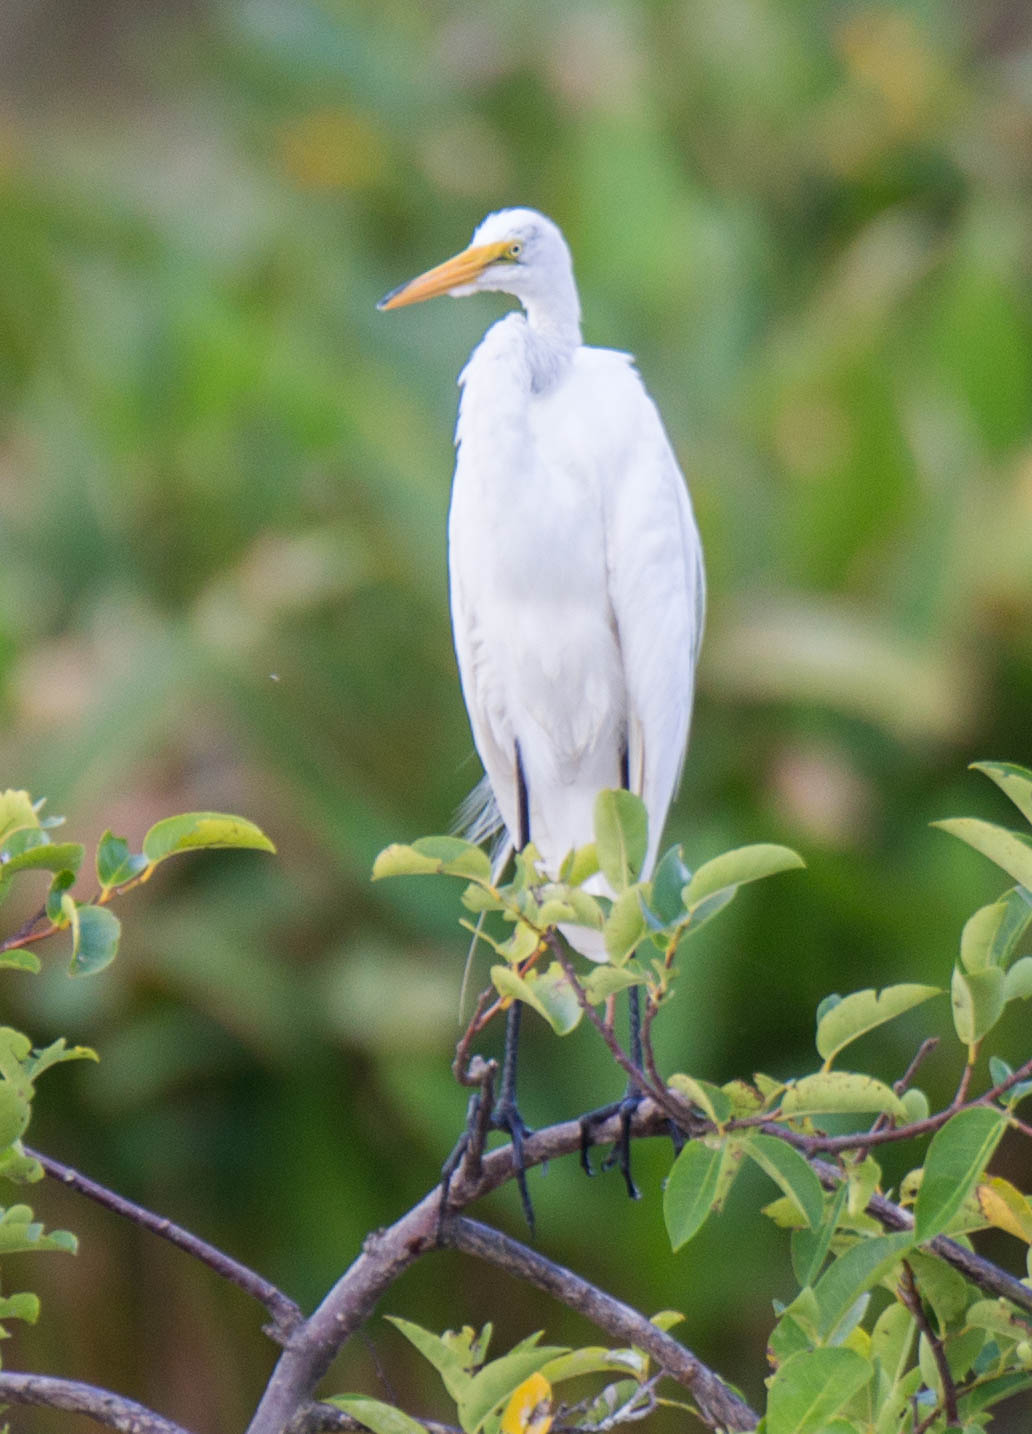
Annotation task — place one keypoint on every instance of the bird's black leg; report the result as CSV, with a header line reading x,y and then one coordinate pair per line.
x,y
620,1155
506,1115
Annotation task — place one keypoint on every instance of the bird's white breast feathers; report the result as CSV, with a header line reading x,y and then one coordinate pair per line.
x,y
576,582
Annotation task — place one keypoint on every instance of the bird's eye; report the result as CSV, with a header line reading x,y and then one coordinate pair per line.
x,y
515,249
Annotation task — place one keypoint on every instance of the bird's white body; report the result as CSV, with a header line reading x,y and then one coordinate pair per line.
x,y
576,570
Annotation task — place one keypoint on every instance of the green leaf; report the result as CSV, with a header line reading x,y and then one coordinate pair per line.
x,y
693,1188
991,1392
706,910
116,864
957,1157
55,897
810,1247
95,933
604,981
573,905
579,865
550,994
44,856
1010,850
16,812
18,1167
621,836
20,960
498,1380
19,1233
811,1387
941,1286
892,1339
999,1317
375,1415
735,868
14,1114
24,1306
594,1359
791,1173
711,1100
855,1015
670,878
433,856
1017,984
854,1272
625,925
1015,781
840,1092
55,1054
193,831
444,1357
978,999
991,934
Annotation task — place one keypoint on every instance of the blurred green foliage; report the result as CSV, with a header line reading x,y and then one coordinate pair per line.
x,y
223,495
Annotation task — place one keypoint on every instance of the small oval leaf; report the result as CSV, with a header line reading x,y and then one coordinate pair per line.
x,y
957,1157
692,1189
978,999
194,831
811,1386
840,1092
621,836
853,1016
734,868
791,1172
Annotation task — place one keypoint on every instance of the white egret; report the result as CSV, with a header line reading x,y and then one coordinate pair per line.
x,y
577,589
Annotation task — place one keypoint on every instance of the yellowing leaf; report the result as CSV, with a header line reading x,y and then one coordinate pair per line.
x,y
529,1411
1004,1206
198,830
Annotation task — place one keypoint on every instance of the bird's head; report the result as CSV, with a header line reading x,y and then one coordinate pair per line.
x,y
517,251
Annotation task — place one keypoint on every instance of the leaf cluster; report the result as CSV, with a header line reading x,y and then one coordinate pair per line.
x,y
516,1393
599,888
27,846
884,1335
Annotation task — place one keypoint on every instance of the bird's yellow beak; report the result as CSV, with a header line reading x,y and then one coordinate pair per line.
x,y
464,268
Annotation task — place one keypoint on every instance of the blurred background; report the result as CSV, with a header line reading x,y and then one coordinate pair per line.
x,y
224,483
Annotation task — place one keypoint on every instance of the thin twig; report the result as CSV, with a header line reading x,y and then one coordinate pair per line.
x,y
979,1271
285,1313
460,1061
675,1108
911,1297
718,1405
101,1405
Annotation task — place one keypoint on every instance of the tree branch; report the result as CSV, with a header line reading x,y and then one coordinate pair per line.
x,y
386,1254
718,1405
285,1313
911,1297
101,1405
319,1418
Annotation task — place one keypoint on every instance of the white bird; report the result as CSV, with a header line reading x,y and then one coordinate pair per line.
x,y
577,588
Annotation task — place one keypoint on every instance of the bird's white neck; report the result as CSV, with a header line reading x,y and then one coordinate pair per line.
x,y
553,336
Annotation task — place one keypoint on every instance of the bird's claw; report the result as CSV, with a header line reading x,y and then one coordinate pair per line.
x,y
620,1155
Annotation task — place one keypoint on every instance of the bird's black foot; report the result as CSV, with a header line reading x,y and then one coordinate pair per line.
x,y
505,1116
620,1155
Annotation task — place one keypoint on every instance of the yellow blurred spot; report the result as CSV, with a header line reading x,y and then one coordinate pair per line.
x,y
529,1411
332,149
